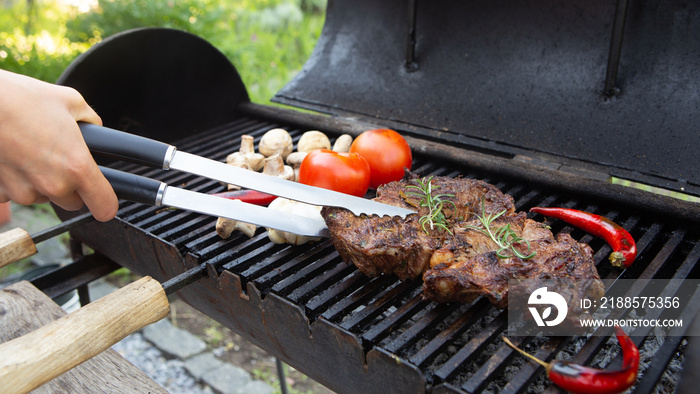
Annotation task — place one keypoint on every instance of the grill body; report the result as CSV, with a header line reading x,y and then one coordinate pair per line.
x,y
303,303
351,333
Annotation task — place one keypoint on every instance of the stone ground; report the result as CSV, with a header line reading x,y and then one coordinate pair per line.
x,y
180,361
185,353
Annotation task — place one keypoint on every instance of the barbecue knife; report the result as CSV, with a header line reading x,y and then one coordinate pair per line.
x,y
129,147
145,190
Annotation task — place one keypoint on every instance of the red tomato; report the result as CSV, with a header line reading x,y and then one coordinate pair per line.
x,y
343,172
386,152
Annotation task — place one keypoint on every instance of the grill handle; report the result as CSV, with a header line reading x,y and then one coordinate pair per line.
x,y
35,358
134,187
124,146
17,244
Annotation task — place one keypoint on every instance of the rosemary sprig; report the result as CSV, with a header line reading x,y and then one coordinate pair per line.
x,y
434,202
504,237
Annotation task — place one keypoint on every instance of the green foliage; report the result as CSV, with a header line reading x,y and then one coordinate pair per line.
x,y
32,38
267,40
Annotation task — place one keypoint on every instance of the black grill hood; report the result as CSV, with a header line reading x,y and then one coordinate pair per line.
x,y
529,78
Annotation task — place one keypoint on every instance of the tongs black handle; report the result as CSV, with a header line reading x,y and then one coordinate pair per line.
x,y
124,146
134,187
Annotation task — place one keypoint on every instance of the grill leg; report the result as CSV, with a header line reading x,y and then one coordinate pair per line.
x,y
83,295
280,376
76,250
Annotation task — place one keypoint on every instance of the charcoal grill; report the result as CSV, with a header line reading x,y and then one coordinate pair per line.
x,y
547,100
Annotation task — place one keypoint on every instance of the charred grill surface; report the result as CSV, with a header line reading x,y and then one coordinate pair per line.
x,y
459,262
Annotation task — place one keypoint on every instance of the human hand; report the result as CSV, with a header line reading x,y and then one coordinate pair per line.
x,y
42,153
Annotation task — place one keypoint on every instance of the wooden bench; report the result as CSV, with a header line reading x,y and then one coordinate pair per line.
x,y
24,308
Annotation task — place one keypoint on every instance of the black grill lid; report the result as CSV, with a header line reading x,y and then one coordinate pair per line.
x,y
160,83
524,77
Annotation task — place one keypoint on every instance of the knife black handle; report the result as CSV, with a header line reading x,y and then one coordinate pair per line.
x,y
134,187
124,146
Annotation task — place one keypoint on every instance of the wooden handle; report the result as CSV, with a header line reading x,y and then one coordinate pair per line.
x,y
15,245
29,361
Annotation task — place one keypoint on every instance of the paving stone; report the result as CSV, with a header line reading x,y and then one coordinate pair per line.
x,y
171,374
255,387
200,364
173,341
100,288
227,379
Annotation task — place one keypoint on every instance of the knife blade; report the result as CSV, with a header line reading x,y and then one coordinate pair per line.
x,y
141,150
138,188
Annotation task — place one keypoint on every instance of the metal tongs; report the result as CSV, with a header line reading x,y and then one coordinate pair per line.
x,y
124,146
37,357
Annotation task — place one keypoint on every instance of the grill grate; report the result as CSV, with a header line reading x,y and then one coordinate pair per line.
x,y
456,347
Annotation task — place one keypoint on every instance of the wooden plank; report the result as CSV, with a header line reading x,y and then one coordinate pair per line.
x,y
24,308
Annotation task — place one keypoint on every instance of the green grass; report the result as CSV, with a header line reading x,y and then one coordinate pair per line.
x,y
267,40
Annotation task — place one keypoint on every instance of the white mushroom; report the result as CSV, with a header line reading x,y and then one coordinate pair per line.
x,y
274,166
343,143
225,227
247,154
276,141
297,208
236,159
312,140
294,160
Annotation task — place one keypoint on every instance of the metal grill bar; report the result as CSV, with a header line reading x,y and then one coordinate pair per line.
x,y
377,307
314,276
434,315
401,315
488,370
454,330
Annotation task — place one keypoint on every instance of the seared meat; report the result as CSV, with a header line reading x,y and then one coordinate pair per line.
x,y
401,246
460,263
386,245
466,266
467,197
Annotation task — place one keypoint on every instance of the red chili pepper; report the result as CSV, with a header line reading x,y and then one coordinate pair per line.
x,y
579,379
622,243
249,196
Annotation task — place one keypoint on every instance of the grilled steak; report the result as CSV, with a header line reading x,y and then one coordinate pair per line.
x,y
457,259
466,266
403,247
